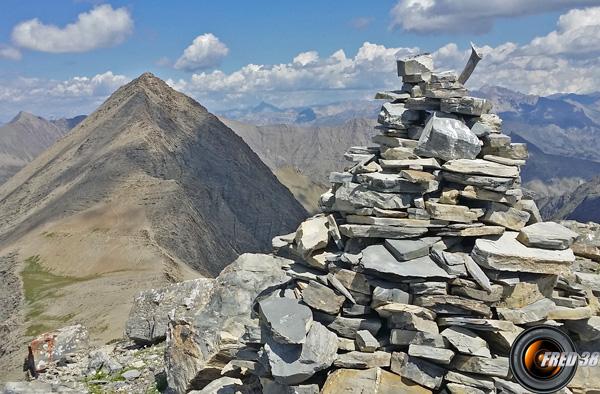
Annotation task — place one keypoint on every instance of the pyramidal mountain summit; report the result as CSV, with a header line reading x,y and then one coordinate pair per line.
x,y
149,189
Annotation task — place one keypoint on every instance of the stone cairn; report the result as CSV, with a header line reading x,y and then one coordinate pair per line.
x,y
428,261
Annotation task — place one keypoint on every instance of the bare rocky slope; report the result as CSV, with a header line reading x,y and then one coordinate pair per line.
x,y
315,151
149,189
25,137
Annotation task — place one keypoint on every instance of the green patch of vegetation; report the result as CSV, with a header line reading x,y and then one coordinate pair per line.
x,y
36,329
41,285
101,375
100,230
54,234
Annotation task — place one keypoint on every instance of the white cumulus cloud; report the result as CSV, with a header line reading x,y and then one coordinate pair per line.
x,y
103,26
51,97
206,51
470,16
577,31
8,52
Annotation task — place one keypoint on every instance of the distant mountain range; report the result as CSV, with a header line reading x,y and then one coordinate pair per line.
x,y
320,115
25,137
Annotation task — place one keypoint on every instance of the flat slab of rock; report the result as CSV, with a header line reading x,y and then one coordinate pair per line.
x,y
547,235
419,371
468,379
378,231
493,183
394,183
508,254
404,250
377,259
399,222
383,296
479,231
451,213
447,138
347,327
502,215
466,105
288,319
530,313
481,365
372,381
392,95
322,298
477,273
479,324
428,163
362,360
434,354
293,364
466,341
481,167
477,193
453,305
351,196
412,65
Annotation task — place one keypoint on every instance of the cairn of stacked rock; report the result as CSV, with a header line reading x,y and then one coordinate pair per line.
x,y
427,262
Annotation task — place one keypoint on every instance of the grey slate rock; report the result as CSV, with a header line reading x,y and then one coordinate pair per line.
x,y
404,250
477,273
397,116
419,371
434,354
348,327
293,364
470,380
351,196
466,105
493,183
587,329
361,360
199,346
455,388
508,254
530,313
481,167
547,235
377,259
149,315
412,65
502,215
322,298
452,263
481,365
366,342
447,138
288,319
382,296
466,341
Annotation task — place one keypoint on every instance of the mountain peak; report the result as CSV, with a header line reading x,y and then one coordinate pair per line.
x,y
23,116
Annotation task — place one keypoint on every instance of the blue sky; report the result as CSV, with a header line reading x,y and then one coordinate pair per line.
x,y
64,57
